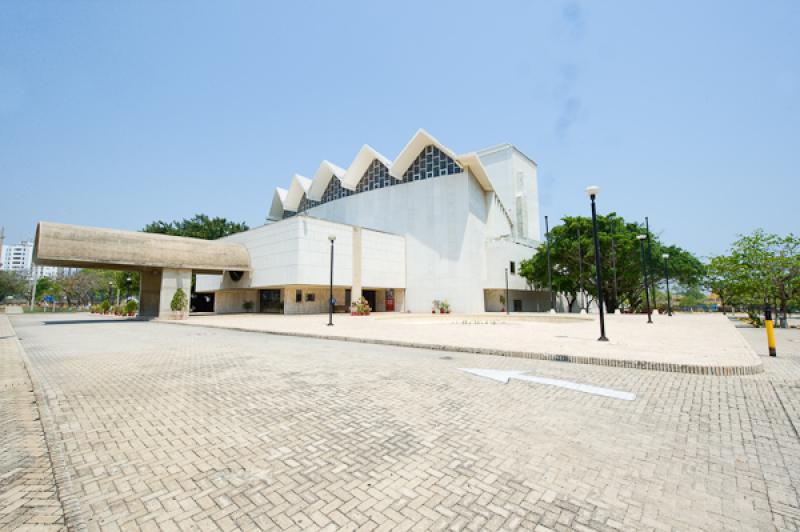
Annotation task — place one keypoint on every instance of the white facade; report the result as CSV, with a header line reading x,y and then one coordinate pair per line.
x,y
430,225
19,258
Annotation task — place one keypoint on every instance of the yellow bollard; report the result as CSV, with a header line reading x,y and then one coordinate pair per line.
x,y
770,332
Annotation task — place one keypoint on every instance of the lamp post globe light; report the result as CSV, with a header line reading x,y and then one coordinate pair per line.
x,y
665,256
331,301
110,292
641,239
592,192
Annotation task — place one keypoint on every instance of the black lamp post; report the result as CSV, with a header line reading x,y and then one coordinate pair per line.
x,y
507,301
580,273
110,292
641,239
665,256
549,267
613,222
592,192
650,260
331,301
128,288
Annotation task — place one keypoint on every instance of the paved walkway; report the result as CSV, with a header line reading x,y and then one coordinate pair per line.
x,y
688,343
28,494
165,427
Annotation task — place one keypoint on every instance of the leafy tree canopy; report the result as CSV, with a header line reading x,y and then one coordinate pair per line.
x,y
573,263
201,226
759,268
12,284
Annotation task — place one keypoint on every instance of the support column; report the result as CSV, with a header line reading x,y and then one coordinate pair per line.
x,y
171,280
149,293
355,293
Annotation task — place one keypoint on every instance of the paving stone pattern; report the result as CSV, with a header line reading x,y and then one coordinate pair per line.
x,y
28,494
164,427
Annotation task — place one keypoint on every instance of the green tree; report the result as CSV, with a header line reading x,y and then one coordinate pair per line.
x,y
201,226
760,268
13,285
621,262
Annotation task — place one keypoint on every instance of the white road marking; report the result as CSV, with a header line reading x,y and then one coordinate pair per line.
x,y
503,376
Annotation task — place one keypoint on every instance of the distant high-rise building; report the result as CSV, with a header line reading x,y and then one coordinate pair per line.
x,y
19,258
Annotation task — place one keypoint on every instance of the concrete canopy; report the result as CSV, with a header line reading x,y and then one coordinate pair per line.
x,y
92,247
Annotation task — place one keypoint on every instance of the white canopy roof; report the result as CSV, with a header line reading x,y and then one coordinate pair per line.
x,y
276,208
314,189
418,142
361,164
299,186
322,177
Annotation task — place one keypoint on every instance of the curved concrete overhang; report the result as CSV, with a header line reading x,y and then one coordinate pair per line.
x,y
93,247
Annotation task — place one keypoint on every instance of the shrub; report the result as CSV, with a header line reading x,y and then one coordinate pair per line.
x,y
131,306
360,307
248,306
105,306
179,301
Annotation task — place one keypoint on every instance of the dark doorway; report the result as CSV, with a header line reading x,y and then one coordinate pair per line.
x,y
371,298
517,305
271,301
348,298
202,302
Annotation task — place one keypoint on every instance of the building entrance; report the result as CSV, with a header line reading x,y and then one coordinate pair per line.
x,y
271,301
371,298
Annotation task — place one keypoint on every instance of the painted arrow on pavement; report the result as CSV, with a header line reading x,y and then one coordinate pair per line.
x,y
504,376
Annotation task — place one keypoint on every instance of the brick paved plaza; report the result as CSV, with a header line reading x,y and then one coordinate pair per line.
x,y
161,427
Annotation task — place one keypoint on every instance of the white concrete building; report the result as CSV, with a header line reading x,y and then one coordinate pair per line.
x,y
428,226
19,258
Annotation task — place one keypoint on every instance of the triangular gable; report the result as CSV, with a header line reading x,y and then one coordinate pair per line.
x,y
297,190
431,162
322,177
361,164
276,207
375,177
415,148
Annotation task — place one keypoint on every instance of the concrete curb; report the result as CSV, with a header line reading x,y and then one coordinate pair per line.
x,y
65,491
691,369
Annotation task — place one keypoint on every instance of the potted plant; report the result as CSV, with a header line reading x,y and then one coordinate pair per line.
x,y
444,307
248,306
360,307
502,303
131,307
105,306
179,303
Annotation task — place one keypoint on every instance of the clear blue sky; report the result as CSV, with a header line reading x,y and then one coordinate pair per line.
x,y
119,113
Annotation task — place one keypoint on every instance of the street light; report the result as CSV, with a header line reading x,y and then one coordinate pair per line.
x,y
641,239
580,275
612,220
665,256
549,268
128,288
650,259
331,301
110,292
592,192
